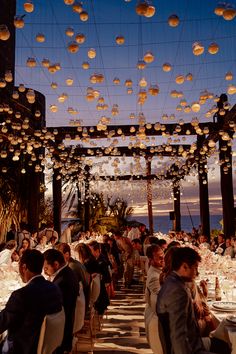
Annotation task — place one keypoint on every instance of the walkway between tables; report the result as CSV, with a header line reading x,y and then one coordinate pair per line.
x,y
123,330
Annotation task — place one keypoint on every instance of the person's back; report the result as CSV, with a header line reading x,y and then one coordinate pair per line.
x,y
27,307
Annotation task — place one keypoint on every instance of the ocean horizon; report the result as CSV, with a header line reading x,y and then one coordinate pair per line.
x,y
164,224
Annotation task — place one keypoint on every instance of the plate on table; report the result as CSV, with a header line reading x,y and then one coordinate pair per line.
x,y
224,305
231,319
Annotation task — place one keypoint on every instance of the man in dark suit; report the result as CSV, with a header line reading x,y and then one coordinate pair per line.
x,y
175,308
61,275
27,307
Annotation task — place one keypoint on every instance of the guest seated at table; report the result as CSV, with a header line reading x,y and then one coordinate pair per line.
x,y
25,246
26,307
61,275
221,246
175,308
42,245
202,241
229,250
6,253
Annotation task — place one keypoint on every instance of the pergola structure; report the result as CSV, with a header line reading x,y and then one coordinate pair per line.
x,y
14,125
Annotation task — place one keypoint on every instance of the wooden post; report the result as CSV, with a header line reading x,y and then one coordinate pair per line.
x,y
57,199
203,189
177,212
87,199
149,194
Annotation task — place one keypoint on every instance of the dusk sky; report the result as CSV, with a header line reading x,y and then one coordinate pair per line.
x,y
173,45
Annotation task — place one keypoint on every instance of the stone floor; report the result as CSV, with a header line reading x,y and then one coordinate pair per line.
x,y
123,330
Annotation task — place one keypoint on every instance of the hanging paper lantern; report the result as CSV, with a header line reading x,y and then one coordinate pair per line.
x,y
40,38
141,8
77,7
195,106
166,67
2,83
53,108
189,77
116,81
219,9
29,6
148,57
120,40
228,76
73,47
150,11
180,79
30,95
231,89
141,65
213,48
142,82
69,2
85,65
19,22
229,13
173,21
52,69
4,33
92,53
31,62
8,76
153,90
69,81
80,38
129,90
197,48
128,83
21,88
83,16
45,63
70,32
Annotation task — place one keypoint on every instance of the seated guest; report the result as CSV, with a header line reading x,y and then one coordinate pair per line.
x,y
25,246
221,244
6,253
27,307
61,275
49,232
42,245
202,241
229,250
175,308
163,244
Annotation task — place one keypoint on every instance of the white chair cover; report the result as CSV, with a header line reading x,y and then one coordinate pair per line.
x,y
95,288
152,331
51,333
79,310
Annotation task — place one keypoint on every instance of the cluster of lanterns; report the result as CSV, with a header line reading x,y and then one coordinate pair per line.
x,y
198,48
227,11
145,8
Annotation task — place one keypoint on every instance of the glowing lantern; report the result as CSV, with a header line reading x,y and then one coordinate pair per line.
x,y
92,53
195,106
120,40
31,62
148,57
228,76
129,90
30,95
29,6
19,22
153,90
73,47
231,89
173,21
166,67
85,65
52,69
53,108
180,79
141,65
2,83
69,81
8,76
197,48
141,8
21,88
128,83
150,11
189,77
77,7
15,95
229,13
143,82
83,16
45,63
116,81
69,2
213,48
80,38
40,38
219,9
4,33
70,32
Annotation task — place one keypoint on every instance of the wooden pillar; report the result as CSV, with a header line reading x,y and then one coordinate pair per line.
x,y
177,212
7,48
34,196
203,189
57,199
87,199
149,194
226,182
